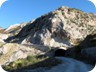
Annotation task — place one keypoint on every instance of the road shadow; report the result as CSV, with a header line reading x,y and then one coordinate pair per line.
x,y
44,65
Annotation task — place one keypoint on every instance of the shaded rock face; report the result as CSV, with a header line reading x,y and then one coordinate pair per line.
x,y
60,52
62,27
89,53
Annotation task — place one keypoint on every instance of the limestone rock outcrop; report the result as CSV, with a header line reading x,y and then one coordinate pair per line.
x,y
63,27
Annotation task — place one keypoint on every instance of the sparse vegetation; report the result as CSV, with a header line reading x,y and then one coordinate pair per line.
x,y
32,60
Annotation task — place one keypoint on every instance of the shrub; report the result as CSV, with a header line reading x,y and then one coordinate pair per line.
x,y
23,63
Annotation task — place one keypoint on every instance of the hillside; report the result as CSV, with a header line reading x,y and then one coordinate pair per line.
x,y
69,29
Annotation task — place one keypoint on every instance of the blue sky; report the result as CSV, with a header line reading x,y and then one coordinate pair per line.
x,y
18,11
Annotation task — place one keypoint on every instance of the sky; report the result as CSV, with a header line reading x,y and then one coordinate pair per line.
x,y
18,11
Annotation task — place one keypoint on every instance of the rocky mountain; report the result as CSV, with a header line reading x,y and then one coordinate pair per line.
x,y
62,27
65,28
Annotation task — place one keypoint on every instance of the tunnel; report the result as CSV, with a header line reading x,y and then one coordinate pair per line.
x,y
59,52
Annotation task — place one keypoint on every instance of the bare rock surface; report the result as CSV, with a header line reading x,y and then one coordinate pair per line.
x,y
62,27
11,51
65,28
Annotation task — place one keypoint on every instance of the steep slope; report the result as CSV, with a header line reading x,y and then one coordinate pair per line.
x,y
63,27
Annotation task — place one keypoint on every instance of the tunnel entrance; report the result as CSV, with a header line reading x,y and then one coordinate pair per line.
x,y
60,52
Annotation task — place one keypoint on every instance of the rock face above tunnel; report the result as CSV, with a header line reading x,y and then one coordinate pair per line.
x,y
63,27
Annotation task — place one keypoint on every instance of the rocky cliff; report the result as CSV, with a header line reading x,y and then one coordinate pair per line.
x,y
63,27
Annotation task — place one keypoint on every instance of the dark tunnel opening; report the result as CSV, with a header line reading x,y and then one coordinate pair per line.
x,y
60,52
